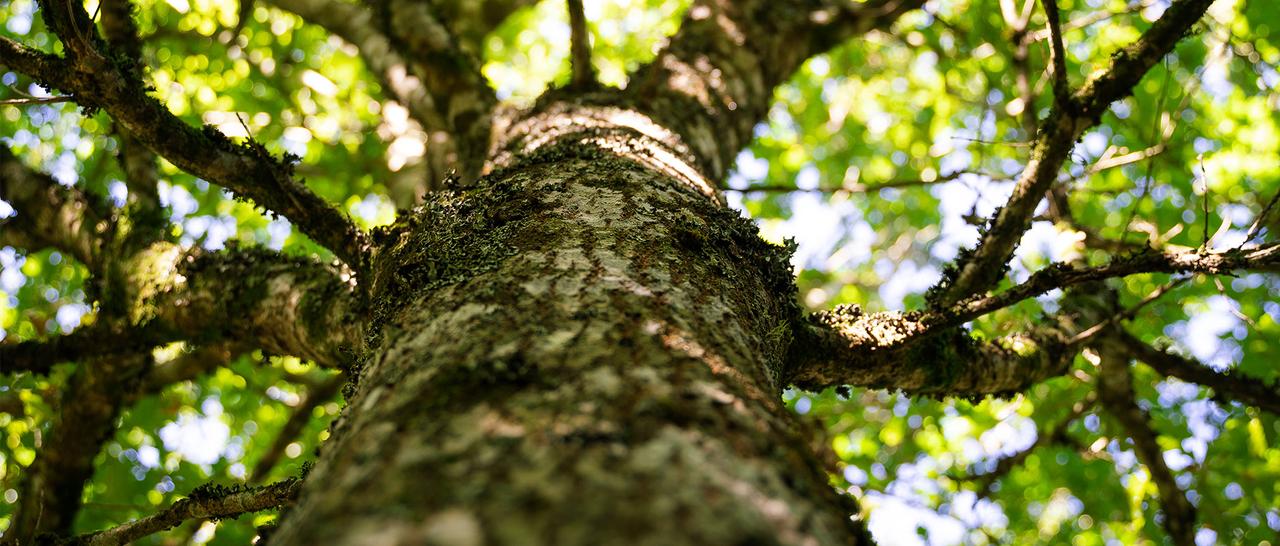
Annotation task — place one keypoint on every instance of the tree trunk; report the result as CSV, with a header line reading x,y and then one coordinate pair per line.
x,y
586,349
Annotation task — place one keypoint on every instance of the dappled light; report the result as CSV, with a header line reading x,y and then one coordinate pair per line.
x,y
1030,306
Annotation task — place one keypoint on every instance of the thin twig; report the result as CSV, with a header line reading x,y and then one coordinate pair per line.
x,y
1095,17
1128,313
216,504
858,187
1262,217
37,100
1016,144
1204,181
1061,87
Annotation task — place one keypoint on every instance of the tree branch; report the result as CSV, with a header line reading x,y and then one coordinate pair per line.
x,y
286,305
51,215
245,169
50,493
846,346
1061,85
451,75
39,356
1229,384
355,25
984,266
301,416
206,502
1061,275
138,162
471,22
858,187
895,350
419,63
714,86
584,74
1115,386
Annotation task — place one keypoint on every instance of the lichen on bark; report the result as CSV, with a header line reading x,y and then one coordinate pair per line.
x,y
584,342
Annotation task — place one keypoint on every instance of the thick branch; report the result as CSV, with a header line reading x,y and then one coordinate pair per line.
x,y
245,169
39,356
584,74
286,305
1229,384
419,63
471,22
988,262
1115,387
49,495
451,75
892,350
207,502
138,162
715,79
50,214
355,25
846,346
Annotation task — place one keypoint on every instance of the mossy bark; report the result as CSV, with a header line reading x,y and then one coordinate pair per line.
x,y
585,349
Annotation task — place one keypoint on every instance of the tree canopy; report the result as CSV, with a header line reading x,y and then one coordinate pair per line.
x,y
905,164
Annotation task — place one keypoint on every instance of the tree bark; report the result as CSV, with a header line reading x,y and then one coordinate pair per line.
x,y
587,349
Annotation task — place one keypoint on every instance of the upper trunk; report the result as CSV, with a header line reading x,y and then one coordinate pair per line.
x,y
586,349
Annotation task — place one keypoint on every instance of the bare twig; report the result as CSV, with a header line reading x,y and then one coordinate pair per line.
x,y
856,187
1061,85
1127,313
37,100
209,502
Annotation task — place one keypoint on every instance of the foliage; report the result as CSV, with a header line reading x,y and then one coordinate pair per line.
x,y
932,109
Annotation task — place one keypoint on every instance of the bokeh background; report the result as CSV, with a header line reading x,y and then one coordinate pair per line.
x,y
880,158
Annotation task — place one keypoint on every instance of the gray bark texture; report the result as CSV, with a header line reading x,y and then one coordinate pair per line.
x,y
577,343
585,350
